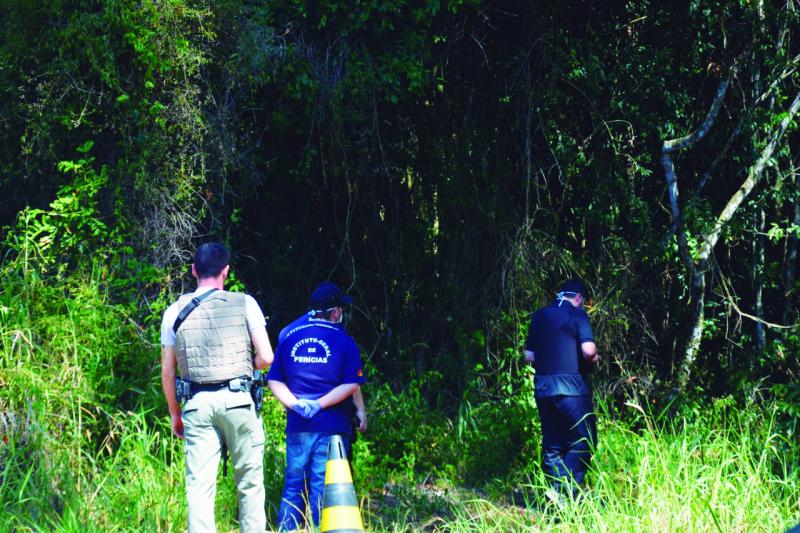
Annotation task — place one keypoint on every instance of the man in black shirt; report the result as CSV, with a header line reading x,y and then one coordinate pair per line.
x,y
561,347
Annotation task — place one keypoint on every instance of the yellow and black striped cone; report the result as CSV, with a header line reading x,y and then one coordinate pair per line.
x,y
339,503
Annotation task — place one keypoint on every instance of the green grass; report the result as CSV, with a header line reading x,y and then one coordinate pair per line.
x,y
85,446
686,477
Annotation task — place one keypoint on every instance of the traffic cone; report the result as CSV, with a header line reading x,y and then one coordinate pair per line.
x,y
339,503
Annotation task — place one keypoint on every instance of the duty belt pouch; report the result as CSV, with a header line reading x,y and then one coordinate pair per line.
x,y
183,390
236,385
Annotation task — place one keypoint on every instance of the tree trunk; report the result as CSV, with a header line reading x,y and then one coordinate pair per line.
x,y
791,262
528,143
709,241
698,299
697,273
758,277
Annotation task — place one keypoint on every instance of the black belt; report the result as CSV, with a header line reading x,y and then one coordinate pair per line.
x,y
236,384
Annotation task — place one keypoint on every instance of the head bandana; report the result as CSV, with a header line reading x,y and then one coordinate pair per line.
x,y
563,295
314,312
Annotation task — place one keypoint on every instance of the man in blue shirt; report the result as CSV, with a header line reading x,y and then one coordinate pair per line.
x,y
317,368
561,347
358,406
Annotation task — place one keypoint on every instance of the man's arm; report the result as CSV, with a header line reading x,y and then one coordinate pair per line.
x,y
264,355
361,410
282,393
338,394
168,364
585,337
589,350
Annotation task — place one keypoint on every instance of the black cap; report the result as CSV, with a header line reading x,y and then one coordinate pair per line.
x,y
574,286
327,296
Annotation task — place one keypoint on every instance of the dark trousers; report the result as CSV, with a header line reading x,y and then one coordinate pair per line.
x,y
569,433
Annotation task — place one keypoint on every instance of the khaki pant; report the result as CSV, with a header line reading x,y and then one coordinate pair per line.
x,y
208,418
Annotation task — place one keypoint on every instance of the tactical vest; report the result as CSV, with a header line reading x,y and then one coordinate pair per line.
x,y
213,343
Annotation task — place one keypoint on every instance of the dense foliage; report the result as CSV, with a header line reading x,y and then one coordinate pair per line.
x,y
449,162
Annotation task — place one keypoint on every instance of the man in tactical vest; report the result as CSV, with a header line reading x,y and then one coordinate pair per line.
x,y
209,337
561,347
317,369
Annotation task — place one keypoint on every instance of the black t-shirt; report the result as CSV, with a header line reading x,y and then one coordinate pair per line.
x,y
555,336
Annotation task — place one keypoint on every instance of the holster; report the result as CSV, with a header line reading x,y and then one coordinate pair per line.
x,y
257,389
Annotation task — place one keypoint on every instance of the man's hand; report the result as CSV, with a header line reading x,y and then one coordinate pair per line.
x,y
177,425
301,408
589,350
361,415
306,408
313,408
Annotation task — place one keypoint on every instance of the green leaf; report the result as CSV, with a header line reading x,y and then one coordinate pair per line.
x,y
85,147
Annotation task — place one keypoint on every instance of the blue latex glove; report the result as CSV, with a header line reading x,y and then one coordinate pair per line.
x,y
313,408
301,408
306,407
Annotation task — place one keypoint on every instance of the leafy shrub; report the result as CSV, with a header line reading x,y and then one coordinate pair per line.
x,y
406,437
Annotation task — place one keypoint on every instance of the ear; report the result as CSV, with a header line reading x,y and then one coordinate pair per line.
x,y
194,271
225,271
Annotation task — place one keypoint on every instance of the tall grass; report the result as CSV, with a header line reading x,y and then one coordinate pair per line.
x,y
85,445
70,364
684,477
737,473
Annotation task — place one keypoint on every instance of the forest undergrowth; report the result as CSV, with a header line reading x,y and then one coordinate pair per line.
x,y
86,444
449,163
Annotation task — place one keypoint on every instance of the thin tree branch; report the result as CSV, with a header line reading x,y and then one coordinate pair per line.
x,y
710,240
707,174
732,301
673,145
